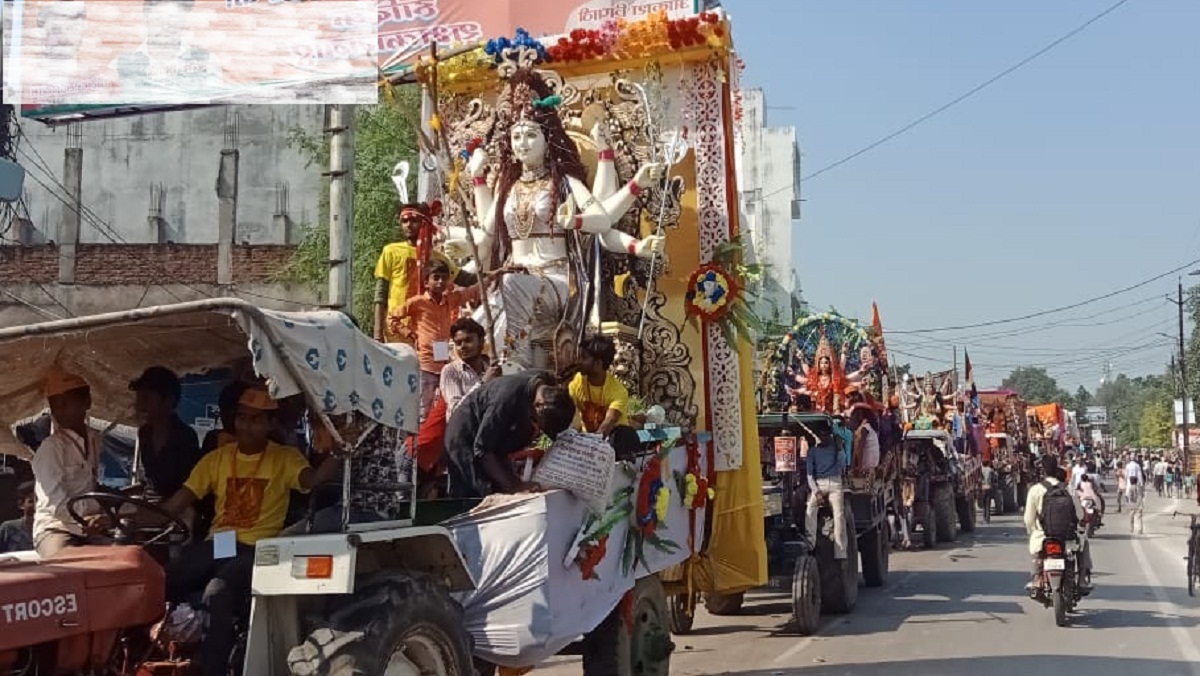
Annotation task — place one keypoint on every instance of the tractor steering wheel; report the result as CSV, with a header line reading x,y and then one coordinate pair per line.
x,y
126,532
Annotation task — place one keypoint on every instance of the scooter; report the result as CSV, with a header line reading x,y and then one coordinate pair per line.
x,y
1059,586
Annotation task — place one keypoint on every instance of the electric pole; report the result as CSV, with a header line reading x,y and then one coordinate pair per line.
x,y
1183,385
341,205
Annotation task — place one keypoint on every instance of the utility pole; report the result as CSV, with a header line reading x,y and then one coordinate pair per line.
x,y
341,205
1183,386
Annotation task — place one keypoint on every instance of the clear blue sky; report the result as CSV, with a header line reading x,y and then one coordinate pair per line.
x,y
1076,175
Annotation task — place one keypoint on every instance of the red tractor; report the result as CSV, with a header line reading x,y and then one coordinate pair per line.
x,y
90,609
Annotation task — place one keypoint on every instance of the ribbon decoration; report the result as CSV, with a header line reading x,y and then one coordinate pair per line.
x,y
400,179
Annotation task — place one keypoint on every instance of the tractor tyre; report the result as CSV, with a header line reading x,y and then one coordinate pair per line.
x,y
839,578
876,546
806,595
944,512
966,514
398,621
635,638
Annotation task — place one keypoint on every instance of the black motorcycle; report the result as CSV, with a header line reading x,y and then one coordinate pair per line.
x,y
1061,585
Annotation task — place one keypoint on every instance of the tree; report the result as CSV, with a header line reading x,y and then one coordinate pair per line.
x,y
1156,422
1192,353
1035,385
383,136
1081,401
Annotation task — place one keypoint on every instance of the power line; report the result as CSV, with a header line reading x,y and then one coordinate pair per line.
x,y
1111,341
982,340
1043,313
973,91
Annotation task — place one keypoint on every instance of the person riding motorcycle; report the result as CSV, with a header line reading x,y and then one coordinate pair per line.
x,y
1088,495
1055,475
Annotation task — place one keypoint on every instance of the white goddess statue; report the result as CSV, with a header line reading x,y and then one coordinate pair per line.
x,y
543,206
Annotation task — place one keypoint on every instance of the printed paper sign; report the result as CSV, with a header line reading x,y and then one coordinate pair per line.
x,y
581,463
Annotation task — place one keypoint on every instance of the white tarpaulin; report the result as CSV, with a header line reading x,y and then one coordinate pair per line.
x,y
112,349
339,367
530,599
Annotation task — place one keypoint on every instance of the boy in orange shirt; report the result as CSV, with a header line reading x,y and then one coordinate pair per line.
x,y
429,316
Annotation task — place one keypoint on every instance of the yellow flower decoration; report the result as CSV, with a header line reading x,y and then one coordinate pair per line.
x,y
662,502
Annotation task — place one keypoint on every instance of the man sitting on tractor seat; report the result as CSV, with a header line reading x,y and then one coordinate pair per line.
x,y
251,479
65,464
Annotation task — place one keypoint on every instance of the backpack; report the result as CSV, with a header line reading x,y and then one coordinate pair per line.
x,y
1058,519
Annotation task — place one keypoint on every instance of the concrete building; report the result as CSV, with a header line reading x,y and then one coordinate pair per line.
x,y
158,208
768,180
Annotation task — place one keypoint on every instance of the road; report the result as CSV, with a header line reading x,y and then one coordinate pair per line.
x,y
961,609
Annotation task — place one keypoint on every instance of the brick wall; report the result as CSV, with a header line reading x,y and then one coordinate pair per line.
x,y
117,264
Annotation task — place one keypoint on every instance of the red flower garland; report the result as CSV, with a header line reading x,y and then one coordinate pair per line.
x,y
693,467
648,485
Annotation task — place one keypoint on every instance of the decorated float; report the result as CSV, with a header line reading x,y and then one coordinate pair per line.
x,y
826,382
1005,418
596,169
826,356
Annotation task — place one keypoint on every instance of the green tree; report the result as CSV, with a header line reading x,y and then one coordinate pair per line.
x,y
383,136
1156,423
1081,401
1138,408
1035,385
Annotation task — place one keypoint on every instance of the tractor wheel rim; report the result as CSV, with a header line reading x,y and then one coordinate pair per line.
x,y
650,641
421,654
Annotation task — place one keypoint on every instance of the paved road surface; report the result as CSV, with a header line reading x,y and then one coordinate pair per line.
x,y
960,609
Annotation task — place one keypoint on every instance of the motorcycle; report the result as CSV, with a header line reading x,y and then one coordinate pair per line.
x,y
1091,516
1060,587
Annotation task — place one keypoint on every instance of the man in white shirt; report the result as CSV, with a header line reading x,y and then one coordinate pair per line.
x,y
65,464
1077,471
1159,469
1134,474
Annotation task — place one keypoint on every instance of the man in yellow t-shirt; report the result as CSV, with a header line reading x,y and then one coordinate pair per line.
x,y
252,479
396,275
601,399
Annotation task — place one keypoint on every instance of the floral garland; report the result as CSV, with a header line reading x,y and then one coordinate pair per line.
x,y
656,34
644,506
711,293
716,292
693,486
615,40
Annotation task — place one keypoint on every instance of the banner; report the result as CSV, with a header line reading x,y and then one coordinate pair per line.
x,y
1095,415
139,52
1179,412
114,56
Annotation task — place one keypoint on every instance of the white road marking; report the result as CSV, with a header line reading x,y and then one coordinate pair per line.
x,y
1187,645
797,648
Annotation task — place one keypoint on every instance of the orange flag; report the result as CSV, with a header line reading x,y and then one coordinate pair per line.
x,y
877,330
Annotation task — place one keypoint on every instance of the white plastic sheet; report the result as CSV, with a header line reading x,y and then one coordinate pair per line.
x,y
340,368
528,605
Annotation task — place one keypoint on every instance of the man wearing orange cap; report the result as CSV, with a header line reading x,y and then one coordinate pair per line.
x,y
65,464
252,479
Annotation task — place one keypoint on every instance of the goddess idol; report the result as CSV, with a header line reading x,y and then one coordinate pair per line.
x,y
535,213
824,380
